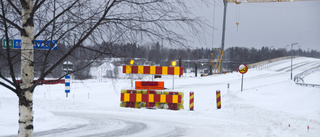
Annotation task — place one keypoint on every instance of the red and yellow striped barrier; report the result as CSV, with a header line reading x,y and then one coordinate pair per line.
x,y
159,70
158,99
191,100
218,99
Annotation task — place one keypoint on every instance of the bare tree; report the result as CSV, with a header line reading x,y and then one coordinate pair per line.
x,y
79,24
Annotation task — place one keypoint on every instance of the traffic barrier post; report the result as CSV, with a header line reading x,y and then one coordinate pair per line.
x,y
218,99
67,85
191,104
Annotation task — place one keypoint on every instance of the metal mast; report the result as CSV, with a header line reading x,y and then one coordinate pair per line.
x,y
223,33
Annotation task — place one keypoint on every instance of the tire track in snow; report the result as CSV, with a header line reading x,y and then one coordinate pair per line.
x,y
304,65
100,125
105,125
288,67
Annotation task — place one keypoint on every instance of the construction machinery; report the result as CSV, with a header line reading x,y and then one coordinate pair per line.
x,y
219,63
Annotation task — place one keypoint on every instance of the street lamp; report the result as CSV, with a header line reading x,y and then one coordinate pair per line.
x,y
287,48
270,52
291,56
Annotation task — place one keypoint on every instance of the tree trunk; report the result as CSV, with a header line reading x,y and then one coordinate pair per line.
x,y
27,71
26,115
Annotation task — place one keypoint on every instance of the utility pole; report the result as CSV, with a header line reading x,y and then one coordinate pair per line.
x,y
223,32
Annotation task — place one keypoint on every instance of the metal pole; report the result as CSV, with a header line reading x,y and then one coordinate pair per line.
x,y
291,56
242,83
291,60
131,77
196,70
223,30
228,86
131,80
172,82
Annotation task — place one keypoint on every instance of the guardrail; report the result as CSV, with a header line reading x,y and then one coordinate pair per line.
x,y
306,84
262,64
299,77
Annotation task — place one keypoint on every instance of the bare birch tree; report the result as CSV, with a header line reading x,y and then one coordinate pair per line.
x,y
79,24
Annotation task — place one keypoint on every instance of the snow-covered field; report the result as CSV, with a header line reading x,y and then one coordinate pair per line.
x,y
269,103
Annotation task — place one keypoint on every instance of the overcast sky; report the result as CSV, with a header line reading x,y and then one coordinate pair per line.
x,y
272,25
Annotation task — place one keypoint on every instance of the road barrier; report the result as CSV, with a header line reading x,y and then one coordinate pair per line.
x,y
191,100
155,99
218,99
155,70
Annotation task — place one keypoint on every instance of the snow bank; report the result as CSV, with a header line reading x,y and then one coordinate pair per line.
x,y
269,102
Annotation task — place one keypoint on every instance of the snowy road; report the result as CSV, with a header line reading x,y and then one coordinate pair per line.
x,y
102,125
269,102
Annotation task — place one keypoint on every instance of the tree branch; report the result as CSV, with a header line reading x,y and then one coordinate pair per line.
x,y
55,18
14,7
12,23
14,82
108,7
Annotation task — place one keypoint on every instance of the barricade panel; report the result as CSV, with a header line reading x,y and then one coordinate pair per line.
x,y
157,99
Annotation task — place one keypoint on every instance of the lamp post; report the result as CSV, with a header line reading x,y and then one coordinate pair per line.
x,y
173,64
270,52
131,62
291,56
287,50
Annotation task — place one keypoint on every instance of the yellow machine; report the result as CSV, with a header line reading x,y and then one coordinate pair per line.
x,y
219,62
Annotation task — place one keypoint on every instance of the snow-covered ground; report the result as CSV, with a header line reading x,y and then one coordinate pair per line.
x,y
269,103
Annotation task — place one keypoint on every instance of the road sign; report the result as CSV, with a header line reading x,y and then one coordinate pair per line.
x,y
37,44
4,43
243,68
150,85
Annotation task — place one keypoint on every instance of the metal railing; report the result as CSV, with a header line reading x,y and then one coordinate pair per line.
x,y
299,77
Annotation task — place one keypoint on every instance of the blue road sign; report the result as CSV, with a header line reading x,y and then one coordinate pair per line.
x,y
37,44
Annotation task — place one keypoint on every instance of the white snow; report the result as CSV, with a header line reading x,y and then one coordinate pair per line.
x,y
269,102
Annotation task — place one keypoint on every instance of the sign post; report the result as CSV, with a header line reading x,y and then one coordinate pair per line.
x,y
67,67
67,84
242,69
173,64
131,62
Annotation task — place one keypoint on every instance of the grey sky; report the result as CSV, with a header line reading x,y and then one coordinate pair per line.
x,y
263,24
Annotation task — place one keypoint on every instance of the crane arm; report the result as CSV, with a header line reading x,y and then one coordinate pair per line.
x,y
261,1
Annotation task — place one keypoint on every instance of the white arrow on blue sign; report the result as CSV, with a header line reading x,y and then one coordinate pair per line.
x,y
37,44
